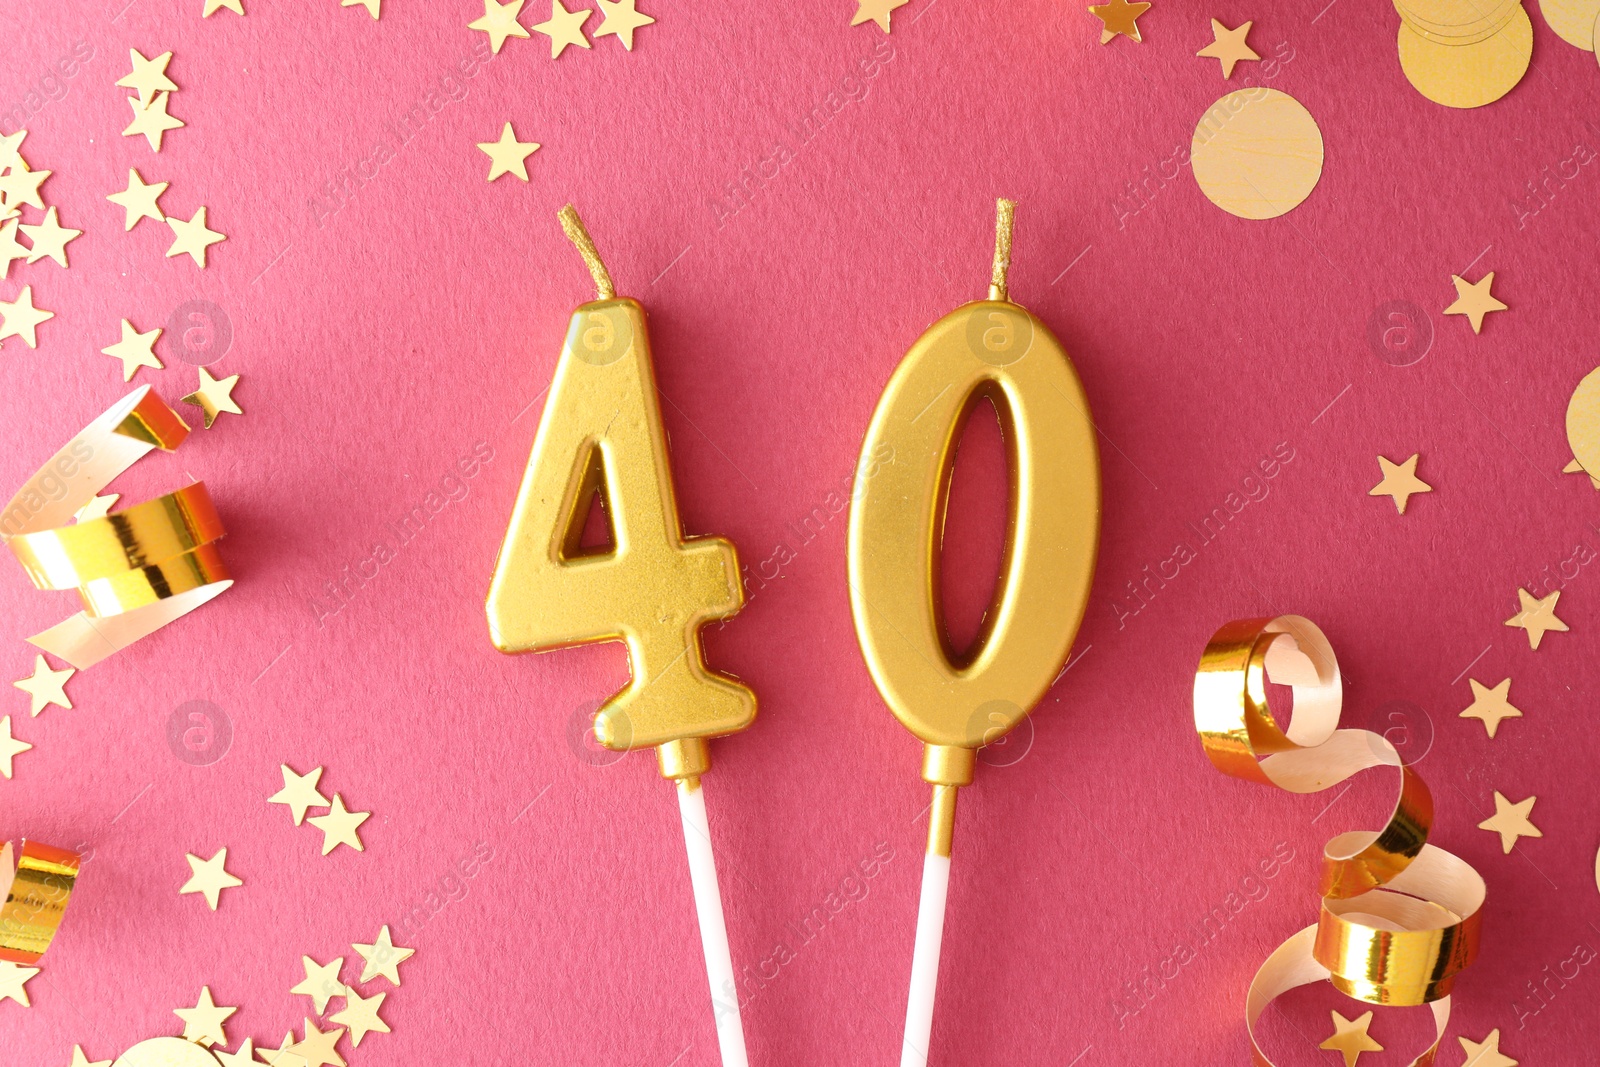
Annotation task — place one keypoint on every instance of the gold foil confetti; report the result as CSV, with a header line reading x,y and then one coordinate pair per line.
x,y
383,958
10,247
1400,481
1350,1038
622,18
139,201
203,1023
214,396
1464,55
316,1047
192,237
339,827
49,238
282,1056
1118,18
149,76
1491,705
45,686
80,1060
151,120
209,877
563,28
506,155
135,350
21,186
1229,46
1485,1053
299,793
877,11
371,6
20,318
1510,821
13,982
35,894
321,982
10,749
499,21
213,6
1257,153
1474,300
360,1014
243,1056
1537,617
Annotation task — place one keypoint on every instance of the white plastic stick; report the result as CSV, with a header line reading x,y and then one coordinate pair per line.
x,y
925,960
713,929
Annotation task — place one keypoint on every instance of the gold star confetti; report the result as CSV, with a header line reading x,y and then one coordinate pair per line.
x,y
13,979
1350,1037
1119,17
360,1014
20,318
1536,616
19,186
151,119
1474,300
135,350
1400,481
499,22
11,148
210,877
80,1060
316,1048
1486,1053
370,5
139,200
564,28
192,237
213,6
282,1056
876,11
383,958
339,827
49,238
11,248
244,1056
1228,46
98,507
1510,821
299,792
1491,705
46,686
507,154
321,983
626,17
214,396
10,748
202,1023
149,76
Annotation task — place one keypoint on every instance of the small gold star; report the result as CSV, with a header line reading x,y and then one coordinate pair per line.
x,y
97,508
192,237
244,1056
202,1023
213,6
383,958
135,350
1510,820
1491,705
321,983
876,11
20,186
370,5
1400,481
627,19
10,748
1537,616
1486,1053
149,76
316,1048
299,792
1474,300
1350,1037
11,149
13,980
209,877
564,28
139,200
339,827
80,1060
499,22
507,154
46,686
214,396
282,1056
1228,46
1119,17
11,248
151,119
360,1014
49,238
20,318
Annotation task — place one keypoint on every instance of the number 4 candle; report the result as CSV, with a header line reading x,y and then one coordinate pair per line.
x,y
651,588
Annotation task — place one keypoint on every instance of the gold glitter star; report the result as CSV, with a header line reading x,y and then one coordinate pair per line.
x,y
214,396
209,877
139,200
20,318
46,686
339,827
244,1056
316,1048
1510,821
360,1014
49,238
1228,46
10,748
151,120
1350,1037
627,19
213,6
1491,705
1119,17
299,792
135,350
1400,481
321,983
564,28
507,154
202,1023
80,1060
370,5
499,22
383,958
1486,1053
192,237
1474,300
1537,616
13,979
19,186
97,508
149,76
876,11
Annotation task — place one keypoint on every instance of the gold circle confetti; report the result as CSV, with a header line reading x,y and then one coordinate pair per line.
x,y
166,1052
1468,75
1454,23
1573,20
1583,422
1257,153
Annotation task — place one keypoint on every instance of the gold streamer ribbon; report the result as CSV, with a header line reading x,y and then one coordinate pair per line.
x,y
35,894
137,569
1399,916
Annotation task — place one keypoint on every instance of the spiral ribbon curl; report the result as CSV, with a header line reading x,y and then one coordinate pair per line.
x,y
35,895
1399,917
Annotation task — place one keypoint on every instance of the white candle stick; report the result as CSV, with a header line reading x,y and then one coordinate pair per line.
x,y
925,960
713,928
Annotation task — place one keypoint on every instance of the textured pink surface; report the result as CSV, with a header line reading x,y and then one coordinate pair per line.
x,y
383,335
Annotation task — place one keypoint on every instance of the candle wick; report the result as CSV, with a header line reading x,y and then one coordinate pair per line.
x,y
1005,211
572,225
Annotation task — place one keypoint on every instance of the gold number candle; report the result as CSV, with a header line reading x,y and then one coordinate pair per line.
x,y
652,588
955,703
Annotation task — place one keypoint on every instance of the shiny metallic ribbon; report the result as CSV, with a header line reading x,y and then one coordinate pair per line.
x,y
35,895
1399,916
136,569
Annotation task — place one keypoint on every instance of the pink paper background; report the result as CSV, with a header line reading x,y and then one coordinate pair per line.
x,y
382,335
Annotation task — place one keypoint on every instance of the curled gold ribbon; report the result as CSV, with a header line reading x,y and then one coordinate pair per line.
x,y
1399,916
35,895
136,569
